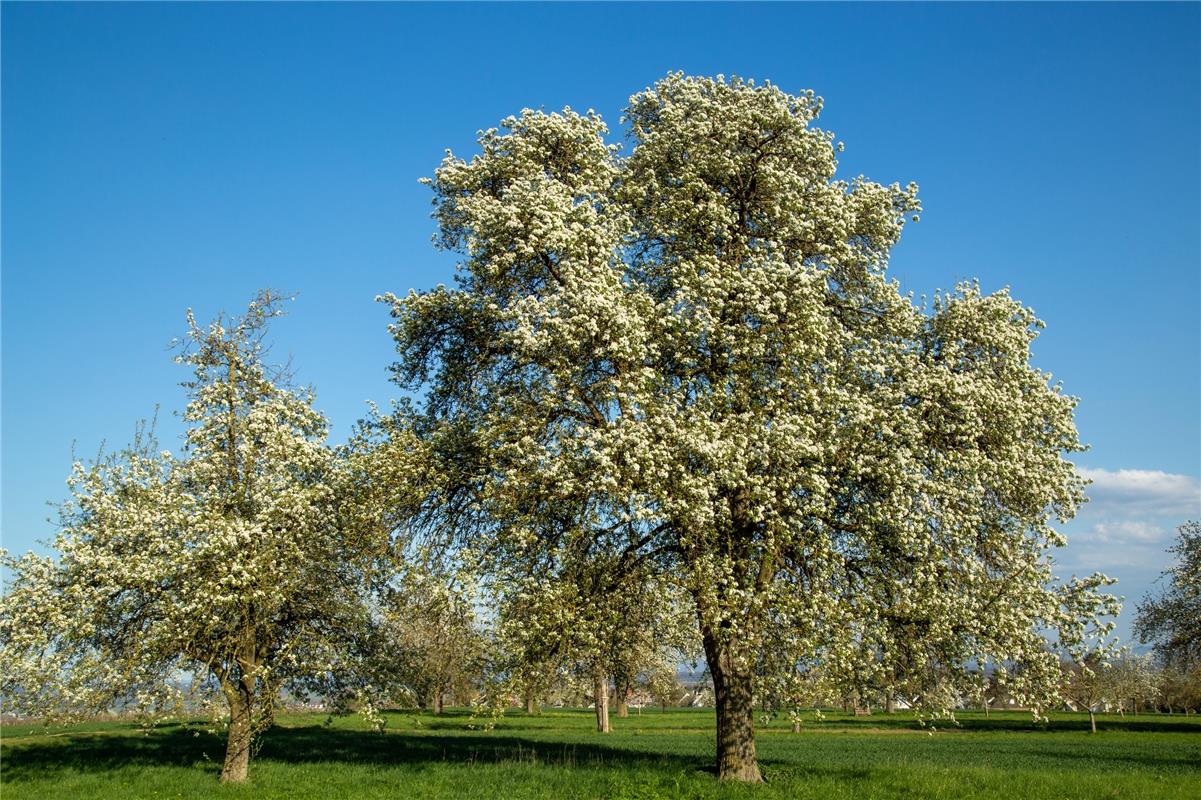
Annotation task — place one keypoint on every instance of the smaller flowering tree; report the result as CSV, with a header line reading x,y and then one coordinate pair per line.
x,y
242,563
1086,684
1086,646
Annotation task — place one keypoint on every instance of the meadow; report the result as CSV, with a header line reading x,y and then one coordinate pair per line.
x,y
649,755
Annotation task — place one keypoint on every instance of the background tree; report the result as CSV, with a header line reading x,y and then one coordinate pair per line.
x,y
532,658
593,621
432,645
1180,690
794,690
663,687
243,562
1171,621
1086,685
1132,680
653,635
693,350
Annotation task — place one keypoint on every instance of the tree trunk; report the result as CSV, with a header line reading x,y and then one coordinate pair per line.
x,y
531,703
620,691
890,705
436,701
601,696
1092,720
237,745
733,691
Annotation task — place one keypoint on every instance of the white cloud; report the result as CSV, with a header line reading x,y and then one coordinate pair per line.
x,y
1126,527
1128,532
1117,547
1143,492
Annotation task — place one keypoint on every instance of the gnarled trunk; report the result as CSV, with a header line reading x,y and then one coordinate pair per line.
x,y
733,691
600,688
237,746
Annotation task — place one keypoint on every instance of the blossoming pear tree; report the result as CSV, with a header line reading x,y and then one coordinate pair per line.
x,y
690,352
242,562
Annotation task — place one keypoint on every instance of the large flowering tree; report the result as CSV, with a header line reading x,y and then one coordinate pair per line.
x,y
690,355
242,563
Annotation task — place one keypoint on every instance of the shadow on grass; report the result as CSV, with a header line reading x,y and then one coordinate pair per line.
x,y
180,747
522,741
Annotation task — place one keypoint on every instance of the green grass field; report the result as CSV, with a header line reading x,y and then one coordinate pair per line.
x,y
655,754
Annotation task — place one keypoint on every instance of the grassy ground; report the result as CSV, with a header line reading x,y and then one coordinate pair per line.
x,y
655,754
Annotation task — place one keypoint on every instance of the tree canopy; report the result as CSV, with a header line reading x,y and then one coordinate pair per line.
x,y
688,354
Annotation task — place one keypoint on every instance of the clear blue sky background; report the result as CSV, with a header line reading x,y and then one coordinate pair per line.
x,y
157,157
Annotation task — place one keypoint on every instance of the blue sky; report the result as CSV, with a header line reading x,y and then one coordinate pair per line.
x,y
156,157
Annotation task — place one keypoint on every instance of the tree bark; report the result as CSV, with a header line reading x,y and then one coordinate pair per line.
x,y
890,705
531,703
270,699
733,691
1092,720
437,701
620,690
601,696
237,746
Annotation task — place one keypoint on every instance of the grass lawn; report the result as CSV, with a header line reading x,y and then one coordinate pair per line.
x,y
655,754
